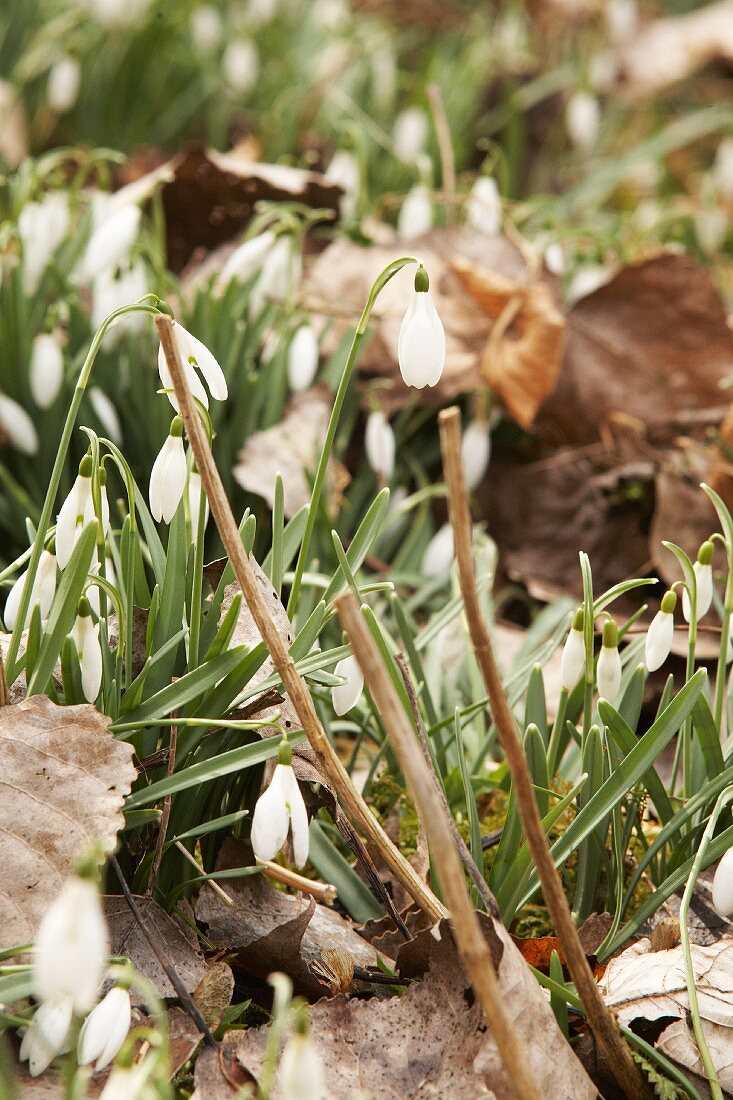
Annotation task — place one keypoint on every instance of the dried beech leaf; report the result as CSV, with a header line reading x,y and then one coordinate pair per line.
x,y
677,1041
179,941
213,994
682,514
63,779
669,50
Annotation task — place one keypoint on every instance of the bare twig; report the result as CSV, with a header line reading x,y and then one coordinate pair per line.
x,y
323,892
365,863
471,944
331,767
600,1019
445,147
166,813
212,882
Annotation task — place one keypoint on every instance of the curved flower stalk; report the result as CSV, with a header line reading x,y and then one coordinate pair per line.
x,y
43,591
421,345
194,356
168,476
345,696
281,809
660,635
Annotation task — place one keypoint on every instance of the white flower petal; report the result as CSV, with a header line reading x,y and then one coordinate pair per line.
x,y
659,640
302,358
271,819
105,1029
483,208
439,553
298,819
247,259
723,885
572,664
608,673
168,479
379,443
475,452
110,244
421,345
416,213
47,369
72,946
345,696
17,426
47,1033
191,348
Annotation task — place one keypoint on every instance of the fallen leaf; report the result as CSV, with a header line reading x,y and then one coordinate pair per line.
x,y
179,942
682,514
677,1041
668,50
64,779
213,994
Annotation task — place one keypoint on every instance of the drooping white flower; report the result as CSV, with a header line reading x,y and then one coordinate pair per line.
x,y
572,663
608,671
241,65
421,344
555,258
105,1029
44,589
42,227
583,120
247,259
110,243
703,568
723,885
660,634
300,1073
345,696
193,355
106,413
302,358
72,946
168,476
85,635
63,84
129,1082
76,511
475,452
280,275
114,288
483,206
416,213
207,28
724,168
47,1034
410,134
47,369
344,171
439,553
17,427
379,443
281,808
622,20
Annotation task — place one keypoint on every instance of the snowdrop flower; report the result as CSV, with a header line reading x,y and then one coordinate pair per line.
x,y
196,499
279,808
300,1073
555,259
660,634
129,1082
379,443
247,259
475,452
17,427
110,243
483,207
72,946
302,358
723,885
279,276
85,635
608,672
724,168
63,84
168,476
105,413
572,663
583,120
114,288
42,227
622,20
587,280
47,1033
345,696
344,171
439,552
241,65
421,344
206,28
703,568
193,355
47,369
44,589
410,134
416,213
105,1029
76,511
711,226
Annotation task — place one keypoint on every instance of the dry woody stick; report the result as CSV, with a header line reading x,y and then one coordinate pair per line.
x,y
601,1020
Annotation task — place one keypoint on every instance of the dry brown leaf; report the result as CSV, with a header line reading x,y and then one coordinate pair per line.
x,y
179,941
682,514
213,994
63,779
678,1042
669,50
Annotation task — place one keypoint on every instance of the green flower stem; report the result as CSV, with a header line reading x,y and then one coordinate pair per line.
x,y
721,677
588,638
553,747
196,585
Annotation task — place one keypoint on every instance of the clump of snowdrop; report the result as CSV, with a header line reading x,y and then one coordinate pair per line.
x,y
105,1029
241,65
421,345
47,368
410,134
42,226
300,1073
379,443
439,553
583,120
64,80
85,636
475,452
281,809
345,696
703,569
572,664
608,672
16,426
302,358
483,206
416,213
168,476
660,635
195,357
42,593
345,173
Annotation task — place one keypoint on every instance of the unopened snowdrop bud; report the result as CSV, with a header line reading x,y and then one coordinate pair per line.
x,y
241,65
572,664
583,120
421,344
63,84
661,633
206,28
723,885
85,635
72,946
110,243
105,1029
47,1034
475,452
703,568
302,358
439,553
379,443
168,476
16,426
344,171
416,213
345,696
247,259
193,355
47,369
410,134
483,207
106,413
608,672
278,809
300,1072
44,588
76,511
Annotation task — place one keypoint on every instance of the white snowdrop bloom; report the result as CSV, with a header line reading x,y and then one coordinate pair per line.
x,y
193,355
344,171
106,413
300,1073
63,84
241,65
572,663
114,288
555,259
379,443
660,634
281,808
723,168
207,28
16,426
196,499
416,213
723,885
483,206
475,452
76,511
43,592
608,671
246,260
105,1029
47,369
302,358
168,476
42,227
421,344
345,696
85,635
622,20
703,568
47,1034
410,134
72,946
110,243
439,553
586,280
711,226
280,275
130,1082
583,120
